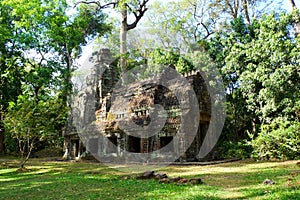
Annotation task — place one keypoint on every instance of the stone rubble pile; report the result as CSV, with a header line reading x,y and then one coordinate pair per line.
x,y
163,178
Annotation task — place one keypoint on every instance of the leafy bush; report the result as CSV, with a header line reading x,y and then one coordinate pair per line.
x,y
11,144
232,149
278,140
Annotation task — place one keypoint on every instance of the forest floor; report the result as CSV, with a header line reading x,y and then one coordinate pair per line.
x,y
46,179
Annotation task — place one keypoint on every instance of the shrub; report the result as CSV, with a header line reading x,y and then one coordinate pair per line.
x,y
278,140
233,149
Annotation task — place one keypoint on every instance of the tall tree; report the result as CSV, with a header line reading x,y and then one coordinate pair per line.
x,y
40,41
10,68
136,8
260,64
67,35
238,119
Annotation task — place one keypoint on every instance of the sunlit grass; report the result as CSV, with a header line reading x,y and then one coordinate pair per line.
x,y
70,180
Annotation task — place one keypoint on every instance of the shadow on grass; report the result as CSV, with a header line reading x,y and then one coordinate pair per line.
x,y
87,186
66,180
250,184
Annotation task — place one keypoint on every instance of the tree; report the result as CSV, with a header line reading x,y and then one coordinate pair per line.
x,y
10,69
239,120
45,29
31,122
67,38
249,9
180,24
269,76
259,63
167,58
137,8
40,42
185,24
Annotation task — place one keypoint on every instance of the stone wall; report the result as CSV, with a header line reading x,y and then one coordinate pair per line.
x,y
135,102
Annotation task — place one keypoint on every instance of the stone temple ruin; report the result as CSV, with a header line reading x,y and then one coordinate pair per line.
x,y
135,102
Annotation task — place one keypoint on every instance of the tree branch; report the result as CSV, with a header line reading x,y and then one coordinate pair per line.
x,y
236,7
292,2
107,5
208,33
262,10
245,7
231,9
139,13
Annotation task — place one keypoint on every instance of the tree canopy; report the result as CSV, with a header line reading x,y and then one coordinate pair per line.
x,y
39,42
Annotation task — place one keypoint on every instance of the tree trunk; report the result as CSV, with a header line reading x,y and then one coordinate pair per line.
x,y
26,159
68,83
123,39
30,148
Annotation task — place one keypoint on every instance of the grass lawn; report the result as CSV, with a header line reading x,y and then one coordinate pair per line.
x,y
82,180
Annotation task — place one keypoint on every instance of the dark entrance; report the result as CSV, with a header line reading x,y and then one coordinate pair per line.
x,y
112,144
134,144
164,141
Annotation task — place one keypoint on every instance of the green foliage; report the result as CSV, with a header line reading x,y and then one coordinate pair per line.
x,y
30,122
11,70
267,68
43,34
232,149
39,41
166,58
173,24
260,67
11,144
278,140
238,118
157,60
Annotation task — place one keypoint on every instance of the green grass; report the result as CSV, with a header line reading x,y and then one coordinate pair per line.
x,y
70,180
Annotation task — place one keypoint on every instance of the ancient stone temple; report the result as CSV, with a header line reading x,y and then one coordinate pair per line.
x,y
113,107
